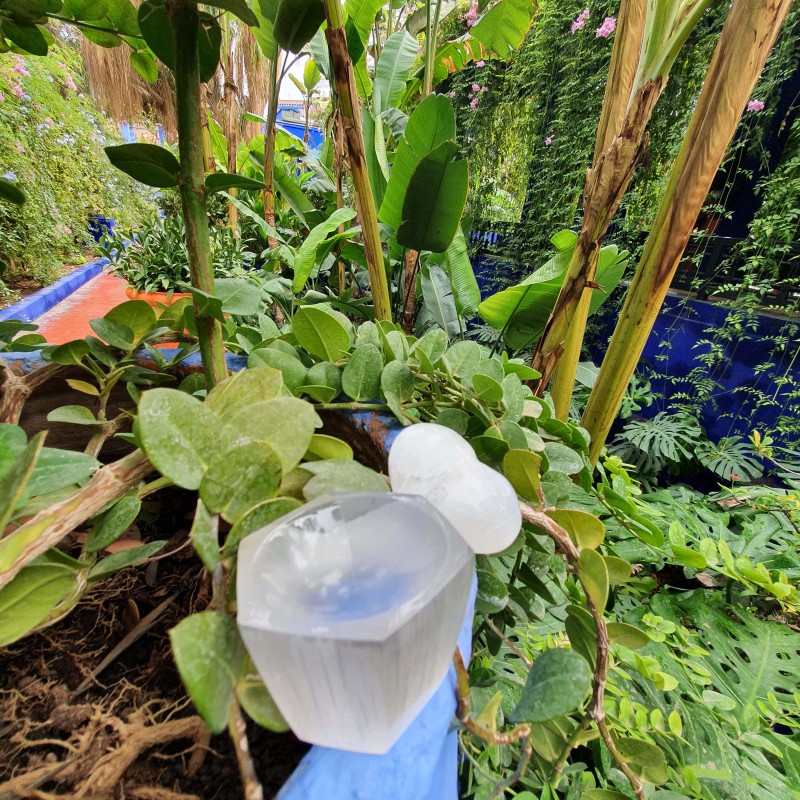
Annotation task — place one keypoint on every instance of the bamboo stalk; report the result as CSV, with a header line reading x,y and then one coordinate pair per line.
x,y
350,109
269,148
746,40
185,22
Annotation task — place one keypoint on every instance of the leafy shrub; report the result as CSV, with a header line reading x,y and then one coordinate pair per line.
x,y
51,145
156,259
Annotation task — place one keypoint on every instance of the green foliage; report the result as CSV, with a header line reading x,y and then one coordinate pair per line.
x,y
51,147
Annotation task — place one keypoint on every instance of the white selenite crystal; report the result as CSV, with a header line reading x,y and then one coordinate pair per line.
x,y
350,609
436,463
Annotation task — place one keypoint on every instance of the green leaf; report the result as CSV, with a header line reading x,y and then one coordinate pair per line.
x,y
69,353
179,434
488,389
492,593
521,467
145,65
359,16
26,36
646,759
557,684
362,375
434,200
439,303
75,415
561,458
594,576
124,558
116,334
323,333
29,598
146,163
323,447
156,28
56,469
205,536
619,570
255,519
305,258
397,381
239,296
584,529
258,703
243,475
296,22
137,316
223,181
244,389
392,71
327,375
209,654
286,424
291,368
11,192
12,492
502,29
111,524
453,418
86,10
432,123
627,635
238,8
456,263
341,476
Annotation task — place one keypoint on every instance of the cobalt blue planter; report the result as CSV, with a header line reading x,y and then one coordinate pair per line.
x,y
99,225
423,764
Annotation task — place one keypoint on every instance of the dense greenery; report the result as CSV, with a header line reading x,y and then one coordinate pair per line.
x,y
51,142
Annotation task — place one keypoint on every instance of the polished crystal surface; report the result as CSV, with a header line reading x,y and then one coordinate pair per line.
x,y
436,463
350,609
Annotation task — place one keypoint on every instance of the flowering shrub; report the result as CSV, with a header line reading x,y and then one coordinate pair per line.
x,y
51,145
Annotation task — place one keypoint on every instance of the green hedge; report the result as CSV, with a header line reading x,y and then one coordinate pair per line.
x,y
51,143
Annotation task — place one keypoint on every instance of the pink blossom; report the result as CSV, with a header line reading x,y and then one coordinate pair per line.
x,y
548,141
71,83
19,147
580,21
452,95
480,63
471,17
476,87
19,67
474,103
607,28
18,91
755,105
2,98
484,88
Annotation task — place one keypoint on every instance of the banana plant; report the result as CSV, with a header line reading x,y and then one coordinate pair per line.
x,y
308,88
650,34
750,31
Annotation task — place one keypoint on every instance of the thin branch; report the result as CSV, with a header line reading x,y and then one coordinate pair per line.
x,y
238,733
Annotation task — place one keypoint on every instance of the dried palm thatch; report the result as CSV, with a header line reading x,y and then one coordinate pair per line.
x,y
122,93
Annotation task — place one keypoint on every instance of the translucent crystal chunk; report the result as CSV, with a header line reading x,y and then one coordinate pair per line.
x,y
350,609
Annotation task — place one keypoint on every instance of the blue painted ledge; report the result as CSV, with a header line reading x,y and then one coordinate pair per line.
x,y
33,306
423,764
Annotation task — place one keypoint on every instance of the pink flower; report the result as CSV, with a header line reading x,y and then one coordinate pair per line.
x,y
484,88
474,103
476,87
480,63
607,28
71,83
580,21
19,147
755,105
2,98
734,477
548,141
19,67
471,17
18,92
452,95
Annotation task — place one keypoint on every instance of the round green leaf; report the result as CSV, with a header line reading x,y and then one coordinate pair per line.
x,y
324,447
255,519
628,635
521,467
244,389
562,458
146,163
179,434
323,333
397,381
492,593
209,654
361,377
584,529
291,368
557,684
337,475
594,576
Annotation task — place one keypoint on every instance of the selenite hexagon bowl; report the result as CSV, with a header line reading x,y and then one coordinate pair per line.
x,y
350,608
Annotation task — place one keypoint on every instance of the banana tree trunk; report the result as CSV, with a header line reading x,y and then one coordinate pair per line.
x,y
268,192
350,109
232,125
746,40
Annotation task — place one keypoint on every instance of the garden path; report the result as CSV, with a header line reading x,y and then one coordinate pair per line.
x,y
70,318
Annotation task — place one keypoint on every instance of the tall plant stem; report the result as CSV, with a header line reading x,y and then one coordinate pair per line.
x,y
746,40
269,147
350,109
431,35
185,23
